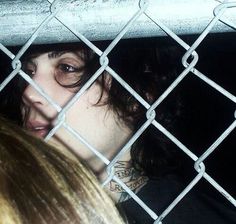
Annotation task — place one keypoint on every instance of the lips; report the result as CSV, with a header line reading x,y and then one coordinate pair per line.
x,y
37,128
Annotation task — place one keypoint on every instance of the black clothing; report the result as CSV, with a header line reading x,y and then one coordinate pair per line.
x,y
197,207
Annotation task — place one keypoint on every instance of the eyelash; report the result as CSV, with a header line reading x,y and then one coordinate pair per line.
x,y
30,72
61,68
68,68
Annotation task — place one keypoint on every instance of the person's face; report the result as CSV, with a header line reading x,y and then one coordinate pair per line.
x,y
96,124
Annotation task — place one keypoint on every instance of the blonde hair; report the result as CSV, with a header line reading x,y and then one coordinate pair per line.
x,y
42,185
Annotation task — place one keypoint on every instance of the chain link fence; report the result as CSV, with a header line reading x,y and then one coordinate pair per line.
x,y
57,13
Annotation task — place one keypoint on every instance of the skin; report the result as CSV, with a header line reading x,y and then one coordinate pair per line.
x,y
97,124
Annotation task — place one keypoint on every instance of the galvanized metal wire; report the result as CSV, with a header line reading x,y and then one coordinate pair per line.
x,y
143,10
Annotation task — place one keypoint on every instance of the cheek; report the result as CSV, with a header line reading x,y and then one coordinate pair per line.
x,y
92,124
84,114
86,109
61,95
87,118
79,113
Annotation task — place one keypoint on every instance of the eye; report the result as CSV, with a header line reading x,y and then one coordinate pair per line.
x,y
68,68
67,74
29,68
29,72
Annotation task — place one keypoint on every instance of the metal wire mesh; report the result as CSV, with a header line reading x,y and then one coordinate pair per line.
x,y
189,61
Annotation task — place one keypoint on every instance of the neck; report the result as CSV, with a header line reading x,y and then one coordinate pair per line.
x,y
128,175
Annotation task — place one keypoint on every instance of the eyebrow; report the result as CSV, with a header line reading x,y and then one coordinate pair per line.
x,y
56,54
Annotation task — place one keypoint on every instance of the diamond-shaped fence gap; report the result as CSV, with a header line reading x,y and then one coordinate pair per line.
x,y
205,115
10,95
221,163
146,59
160,146
217,62
178,168
5,65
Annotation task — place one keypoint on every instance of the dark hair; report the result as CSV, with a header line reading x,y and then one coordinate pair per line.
x,y
149,70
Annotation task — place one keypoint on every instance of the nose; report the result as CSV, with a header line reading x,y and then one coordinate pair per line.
x,y
42,79
35,104
32,96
